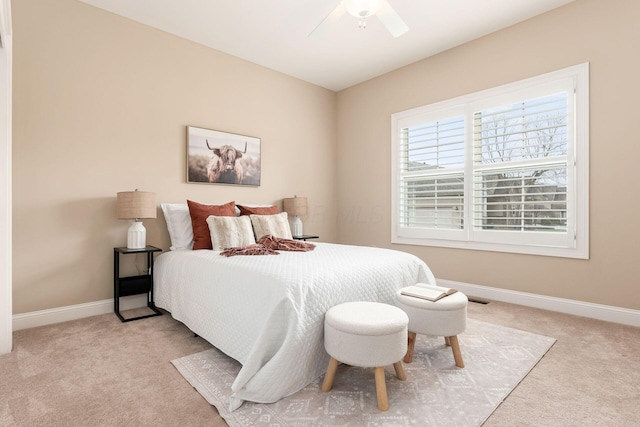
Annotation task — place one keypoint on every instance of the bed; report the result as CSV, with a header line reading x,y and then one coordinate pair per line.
x,y
267,311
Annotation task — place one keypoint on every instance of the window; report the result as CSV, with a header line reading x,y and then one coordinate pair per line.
x,y
505,169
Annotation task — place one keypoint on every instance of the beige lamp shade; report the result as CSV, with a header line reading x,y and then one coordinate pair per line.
x,y
136,205
295,206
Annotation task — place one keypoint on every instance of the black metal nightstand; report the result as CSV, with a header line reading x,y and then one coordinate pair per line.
x,y
133,285
305,237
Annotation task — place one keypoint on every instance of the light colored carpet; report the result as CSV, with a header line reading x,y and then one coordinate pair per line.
x,y
436,393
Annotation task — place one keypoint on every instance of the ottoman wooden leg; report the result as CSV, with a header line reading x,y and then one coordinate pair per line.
x,y
410,344
381,389
400,371
330,375
457,355
447,341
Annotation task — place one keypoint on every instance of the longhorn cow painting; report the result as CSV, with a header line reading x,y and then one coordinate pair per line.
x,y
217,157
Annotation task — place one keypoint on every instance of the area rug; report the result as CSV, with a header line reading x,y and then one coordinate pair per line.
x,y
435,393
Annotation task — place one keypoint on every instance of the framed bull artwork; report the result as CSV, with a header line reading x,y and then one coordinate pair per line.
x,y
217,157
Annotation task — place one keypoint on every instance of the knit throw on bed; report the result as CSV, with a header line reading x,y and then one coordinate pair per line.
x,y
269,245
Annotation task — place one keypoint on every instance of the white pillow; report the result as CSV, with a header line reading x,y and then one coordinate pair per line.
x,y
179,225
276,225
230,232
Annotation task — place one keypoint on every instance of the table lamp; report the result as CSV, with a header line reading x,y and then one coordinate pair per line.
x,y
136,205
296,207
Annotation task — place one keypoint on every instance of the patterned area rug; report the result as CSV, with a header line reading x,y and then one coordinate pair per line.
x,y
435,393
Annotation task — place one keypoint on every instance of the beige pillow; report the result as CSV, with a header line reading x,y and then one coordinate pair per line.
x,y
230,232
276,225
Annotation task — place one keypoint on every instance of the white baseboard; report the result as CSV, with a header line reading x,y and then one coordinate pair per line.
x,y
72,312
607,313
595,311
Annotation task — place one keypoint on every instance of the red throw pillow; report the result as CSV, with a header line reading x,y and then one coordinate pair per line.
x,y
258,210
199,214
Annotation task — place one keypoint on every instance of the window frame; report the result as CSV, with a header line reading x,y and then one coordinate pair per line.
x,y
575,243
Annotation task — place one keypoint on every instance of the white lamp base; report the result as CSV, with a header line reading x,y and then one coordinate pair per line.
x,y
136,236
296,226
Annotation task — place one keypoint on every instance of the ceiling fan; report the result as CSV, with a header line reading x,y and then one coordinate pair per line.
x,y
363,9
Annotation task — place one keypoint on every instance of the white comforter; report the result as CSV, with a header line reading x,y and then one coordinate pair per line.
x,y
267,311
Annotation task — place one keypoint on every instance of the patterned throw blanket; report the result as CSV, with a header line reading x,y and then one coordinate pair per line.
x,y
269,245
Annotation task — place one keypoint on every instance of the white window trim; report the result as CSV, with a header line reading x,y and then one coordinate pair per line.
x,y
580,155
5,178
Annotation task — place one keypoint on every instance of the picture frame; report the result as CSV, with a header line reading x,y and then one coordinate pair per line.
x,y
217,157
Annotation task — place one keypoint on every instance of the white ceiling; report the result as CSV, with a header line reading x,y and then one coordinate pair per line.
x,y
273,33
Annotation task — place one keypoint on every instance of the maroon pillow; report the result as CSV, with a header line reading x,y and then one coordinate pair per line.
x,y
258,210
199,214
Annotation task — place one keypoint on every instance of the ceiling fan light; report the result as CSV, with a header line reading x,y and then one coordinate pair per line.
x,y
362,8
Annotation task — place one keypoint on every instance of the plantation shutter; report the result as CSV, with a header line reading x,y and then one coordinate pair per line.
x,y
431,189
520,166
504,169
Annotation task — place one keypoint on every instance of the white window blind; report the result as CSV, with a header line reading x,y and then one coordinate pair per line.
x,y
432,161
520,165
503,169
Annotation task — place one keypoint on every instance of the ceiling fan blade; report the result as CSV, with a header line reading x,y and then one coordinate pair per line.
x,y
328,22
392,20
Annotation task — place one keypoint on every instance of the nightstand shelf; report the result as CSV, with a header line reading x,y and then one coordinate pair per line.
x,y
134,285
306,237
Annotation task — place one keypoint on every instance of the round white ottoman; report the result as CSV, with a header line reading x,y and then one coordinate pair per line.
x,y
446,318
368,335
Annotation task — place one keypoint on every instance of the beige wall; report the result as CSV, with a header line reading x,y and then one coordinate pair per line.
x,y
101,105
603,33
